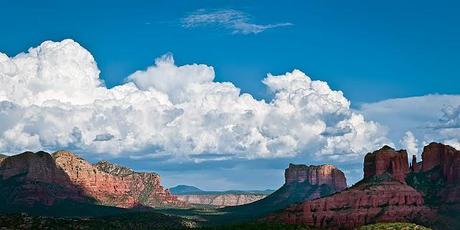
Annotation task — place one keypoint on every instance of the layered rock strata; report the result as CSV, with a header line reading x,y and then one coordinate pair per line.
x,y
31,178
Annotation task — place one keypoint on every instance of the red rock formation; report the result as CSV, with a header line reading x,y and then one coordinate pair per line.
x,y
414,166
41,178
115,185
302,183
444,156
316,175
387,160
26,179
381,196
389,201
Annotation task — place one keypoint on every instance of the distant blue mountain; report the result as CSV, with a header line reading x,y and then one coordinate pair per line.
x,y
185,189
192,190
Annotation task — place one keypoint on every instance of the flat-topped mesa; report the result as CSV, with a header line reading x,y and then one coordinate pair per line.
x,y
445,157
316,175
387,160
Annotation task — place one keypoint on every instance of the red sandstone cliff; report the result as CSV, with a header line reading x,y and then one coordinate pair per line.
x,y
387,160
302,183
360,205
42,178
381,196
30,178
445,157
316,175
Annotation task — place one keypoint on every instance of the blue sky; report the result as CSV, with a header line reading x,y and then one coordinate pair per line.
x,y
372,51
369,50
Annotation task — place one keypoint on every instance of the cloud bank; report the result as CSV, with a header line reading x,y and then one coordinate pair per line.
x,y
52,98
417,121
236,21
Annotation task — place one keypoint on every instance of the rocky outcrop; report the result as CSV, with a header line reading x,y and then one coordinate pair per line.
x,y
302,183
381,196
221,200
41,178
316,175
386,160
115,185
446,158
2,157
30,178
438,177
387,202
414,165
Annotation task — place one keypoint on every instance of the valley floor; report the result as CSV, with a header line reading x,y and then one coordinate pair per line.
x,y
152,220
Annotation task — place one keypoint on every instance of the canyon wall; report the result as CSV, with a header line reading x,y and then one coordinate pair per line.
x,y
221,200
30,178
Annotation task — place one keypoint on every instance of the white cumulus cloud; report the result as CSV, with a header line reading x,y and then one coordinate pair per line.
x,y
52,97
410,143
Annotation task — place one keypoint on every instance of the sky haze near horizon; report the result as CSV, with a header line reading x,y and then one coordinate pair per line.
x,y
396,63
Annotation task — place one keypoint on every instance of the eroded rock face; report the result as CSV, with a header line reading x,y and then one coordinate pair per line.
x,y
2,157
221,200
30,178
302,183
389,201
381,196
415,166
444,156
316,175
115,185
386,160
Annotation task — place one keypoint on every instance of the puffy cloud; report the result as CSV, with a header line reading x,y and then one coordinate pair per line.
x,y
410,143
234,20
52,97
171,79
55,70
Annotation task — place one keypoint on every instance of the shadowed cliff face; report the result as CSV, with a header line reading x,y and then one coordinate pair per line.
x,y
42,179
302,183
30,178
427,193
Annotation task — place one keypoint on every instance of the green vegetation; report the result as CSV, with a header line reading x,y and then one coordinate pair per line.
x,y
155,220
428,183
375,180
261,226
393,226
139,220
